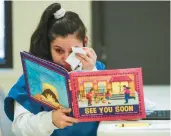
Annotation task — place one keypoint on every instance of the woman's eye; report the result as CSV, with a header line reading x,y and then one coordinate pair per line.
x,y
59,51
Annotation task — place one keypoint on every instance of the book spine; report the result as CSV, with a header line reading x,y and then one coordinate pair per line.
x,y
70,98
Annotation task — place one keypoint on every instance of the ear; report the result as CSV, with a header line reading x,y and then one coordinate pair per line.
x,y
86,41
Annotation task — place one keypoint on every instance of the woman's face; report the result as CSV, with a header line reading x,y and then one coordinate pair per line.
x,y
61,48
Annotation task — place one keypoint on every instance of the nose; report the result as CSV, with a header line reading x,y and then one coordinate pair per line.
x,y
66,54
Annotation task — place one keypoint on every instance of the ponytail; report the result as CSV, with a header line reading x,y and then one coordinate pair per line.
x,y
40,44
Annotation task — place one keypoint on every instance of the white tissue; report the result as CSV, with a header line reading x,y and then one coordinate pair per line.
x,y
78,50
72,59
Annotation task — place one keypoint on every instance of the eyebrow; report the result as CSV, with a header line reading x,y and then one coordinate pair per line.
x,y
58,46
62,48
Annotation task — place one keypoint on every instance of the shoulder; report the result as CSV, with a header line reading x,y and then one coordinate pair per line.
x,y
100,65
20,84
21,80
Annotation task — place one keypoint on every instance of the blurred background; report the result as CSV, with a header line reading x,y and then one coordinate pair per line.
x,y
123,33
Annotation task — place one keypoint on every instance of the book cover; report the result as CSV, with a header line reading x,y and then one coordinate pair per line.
x,y
108,94
92,95
46,82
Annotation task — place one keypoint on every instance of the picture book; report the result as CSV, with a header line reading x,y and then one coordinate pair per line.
x,y
115,94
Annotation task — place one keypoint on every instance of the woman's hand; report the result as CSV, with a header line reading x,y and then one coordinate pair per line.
x,y
61,120
89,60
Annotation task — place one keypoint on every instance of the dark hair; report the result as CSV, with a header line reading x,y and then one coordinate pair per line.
x,y
49,28
48,91
91,89
126,87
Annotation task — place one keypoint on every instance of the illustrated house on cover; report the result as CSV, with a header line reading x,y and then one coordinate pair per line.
x,y
114,84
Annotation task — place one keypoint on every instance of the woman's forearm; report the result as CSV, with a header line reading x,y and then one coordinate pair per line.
x,y
27,124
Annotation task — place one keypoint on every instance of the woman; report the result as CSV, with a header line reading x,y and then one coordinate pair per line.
x,y
58,31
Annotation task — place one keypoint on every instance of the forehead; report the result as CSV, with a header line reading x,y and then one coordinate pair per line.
x,y
68,41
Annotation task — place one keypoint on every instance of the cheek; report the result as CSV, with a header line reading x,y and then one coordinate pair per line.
x,y
55,56
58,58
